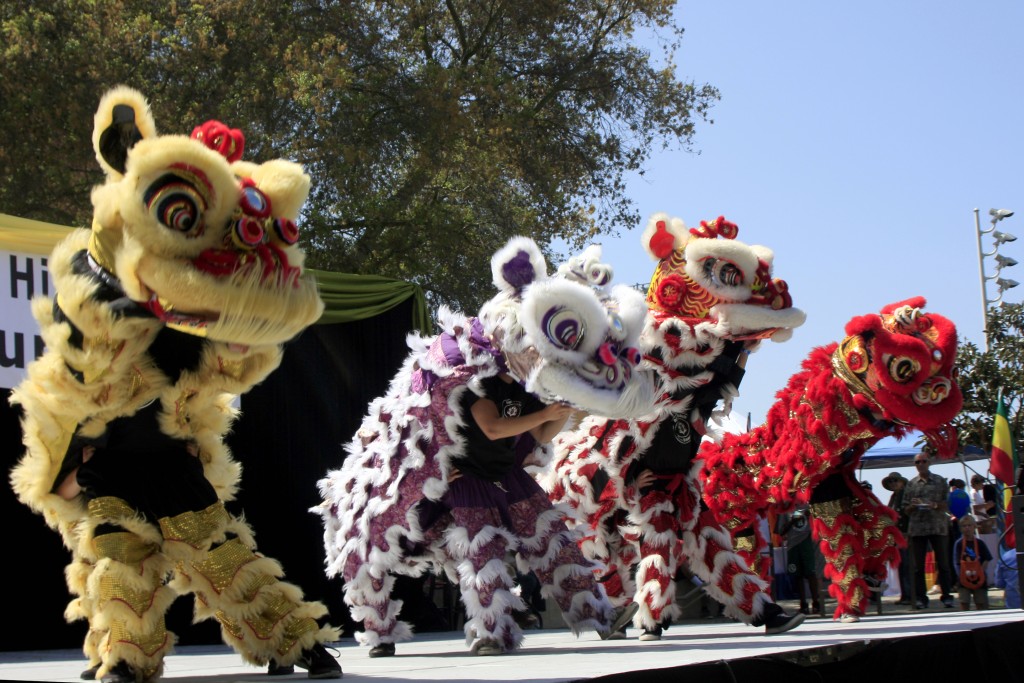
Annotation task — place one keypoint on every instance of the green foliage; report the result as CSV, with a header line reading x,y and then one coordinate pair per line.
x,y
434,131
983,374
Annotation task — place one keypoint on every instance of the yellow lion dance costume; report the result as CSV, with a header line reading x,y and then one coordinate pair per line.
x,y
177,300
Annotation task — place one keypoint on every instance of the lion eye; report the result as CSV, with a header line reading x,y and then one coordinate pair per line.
x,y
563,327
721,272
174,202
903,369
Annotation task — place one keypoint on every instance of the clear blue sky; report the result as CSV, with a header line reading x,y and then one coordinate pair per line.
x,y
855,140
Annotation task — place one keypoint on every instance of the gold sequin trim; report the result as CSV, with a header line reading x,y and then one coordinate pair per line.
x,y
232,368
149,644
124,547
181,415
828,511
229,625
194,528
135,382
110,508
139,601
223,562
293,633
744,543
276,608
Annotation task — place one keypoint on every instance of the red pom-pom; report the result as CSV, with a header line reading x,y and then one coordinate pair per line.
x,y
662,242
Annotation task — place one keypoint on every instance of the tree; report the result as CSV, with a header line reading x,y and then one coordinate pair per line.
x,y
983,374
433,131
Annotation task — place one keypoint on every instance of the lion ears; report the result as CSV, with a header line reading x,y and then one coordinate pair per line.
x,y
122,119
517,264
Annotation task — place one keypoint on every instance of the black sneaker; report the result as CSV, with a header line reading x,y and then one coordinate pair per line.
x,y
120,673
275,669
623,616
319,663
775,620
948,601
90,673
651,634
921,604
382,650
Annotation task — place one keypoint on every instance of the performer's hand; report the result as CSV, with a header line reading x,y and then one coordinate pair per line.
x,y
645,479
453,474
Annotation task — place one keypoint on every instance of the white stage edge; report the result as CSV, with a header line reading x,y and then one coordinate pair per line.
x,y
548,655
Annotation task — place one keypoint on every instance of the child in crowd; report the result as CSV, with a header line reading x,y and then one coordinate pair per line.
x,y
970,557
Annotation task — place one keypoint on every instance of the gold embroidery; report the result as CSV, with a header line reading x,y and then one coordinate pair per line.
x,y
139,601
149,643
293,632
124,547
194,528
223,562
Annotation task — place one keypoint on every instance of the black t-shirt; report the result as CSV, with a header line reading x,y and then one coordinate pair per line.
x,y
673,448
484,458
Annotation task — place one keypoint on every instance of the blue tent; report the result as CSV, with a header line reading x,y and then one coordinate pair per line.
x,y
889,453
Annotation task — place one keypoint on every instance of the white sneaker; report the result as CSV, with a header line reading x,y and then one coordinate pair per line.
x,y
849,618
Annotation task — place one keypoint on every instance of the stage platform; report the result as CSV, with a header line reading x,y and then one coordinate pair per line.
x,y
702,651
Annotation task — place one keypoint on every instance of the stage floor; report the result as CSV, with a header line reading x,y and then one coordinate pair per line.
x,y
547,655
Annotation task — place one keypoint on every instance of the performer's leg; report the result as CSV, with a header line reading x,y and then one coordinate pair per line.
x,y
83,607
623,554
478,543
368,595
727,577
659,555
546,547
127,596
263,618
839,537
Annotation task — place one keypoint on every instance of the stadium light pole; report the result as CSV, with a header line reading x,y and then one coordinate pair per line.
x,y
1002,284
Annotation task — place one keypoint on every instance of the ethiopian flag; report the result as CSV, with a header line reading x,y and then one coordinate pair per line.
x,y
1003,463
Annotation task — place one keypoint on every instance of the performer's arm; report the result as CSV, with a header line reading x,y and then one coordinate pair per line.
x,y
542,424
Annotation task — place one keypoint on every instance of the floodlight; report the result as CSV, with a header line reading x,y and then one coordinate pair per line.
x,y
1005,261
1003,237
999,214
1006,284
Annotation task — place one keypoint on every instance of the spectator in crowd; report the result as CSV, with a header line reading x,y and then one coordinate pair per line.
x,y
925,501
1007,579
984,506
896,483
959,505
970,559
801,560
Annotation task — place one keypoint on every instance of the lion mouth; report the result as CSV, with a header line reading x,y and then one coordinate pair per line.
x,y
269,258
165,312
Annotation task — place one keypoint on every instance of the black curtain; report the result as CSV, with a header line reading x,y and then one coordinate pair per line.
x,y
293,429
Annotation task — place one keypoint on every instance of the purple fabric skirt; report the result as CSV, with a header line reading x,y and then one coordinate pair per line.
x,y
473,492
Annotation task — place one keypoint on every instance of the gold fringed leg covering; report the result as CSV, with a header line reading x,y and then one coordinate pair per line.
x,y
881,537
841,541
83,606
125,589
261,617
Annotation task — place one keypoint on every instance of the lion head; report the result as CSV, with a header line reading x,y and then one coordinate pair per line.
x,y
709,289
899,365
205,241
571,337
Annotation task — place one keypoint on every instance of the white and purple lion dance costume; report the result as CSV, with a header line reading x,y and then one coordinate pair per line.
x,y
567,338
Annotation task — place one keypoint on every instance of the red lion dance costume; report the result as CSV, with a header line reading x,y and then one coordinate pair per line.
x,y
632,483
893,373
